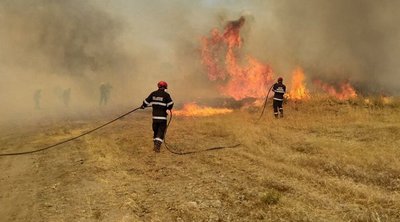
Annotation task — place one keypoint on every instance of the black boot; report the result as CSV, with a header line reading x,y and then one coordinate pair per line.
x,y
276,115
157,146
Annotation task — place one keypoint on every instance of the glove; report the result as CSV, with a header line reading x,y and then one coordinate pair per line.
x,y
142,107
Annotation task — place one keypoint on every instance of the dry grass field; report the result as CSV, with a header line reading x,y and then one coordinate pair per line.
x,y
325,161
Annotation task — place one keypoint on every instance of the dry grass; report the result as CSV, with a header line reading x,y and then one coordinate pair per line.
x,y
325,161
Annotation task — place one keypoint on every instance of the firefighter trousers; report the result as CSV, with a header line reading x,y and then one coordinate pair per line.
x,y
277,105
159,127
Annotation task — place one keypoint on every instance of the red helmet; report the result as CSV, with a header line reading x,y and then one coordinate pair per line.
x,y
280,79
162,84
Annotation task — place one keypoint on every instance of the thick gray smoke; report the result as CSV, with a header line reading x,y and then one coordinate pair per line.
x,y
54,45
61,37
358,40
64,37
65,49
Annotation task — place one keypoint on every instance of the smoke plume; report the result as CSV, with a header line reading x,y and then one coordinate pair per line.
x,y
334,40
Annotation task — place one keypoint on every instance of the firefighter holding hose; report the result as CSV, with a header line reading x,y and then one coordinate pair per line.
x,y
279,90
160,101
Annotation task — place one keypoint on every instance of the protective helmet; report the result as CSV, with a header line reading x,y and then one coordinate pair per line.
x,y
280,79
162,84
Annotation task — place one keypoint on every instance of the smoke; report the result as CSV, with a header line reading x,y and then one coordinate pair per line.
x,y
62,37
334,40
54,45
337,41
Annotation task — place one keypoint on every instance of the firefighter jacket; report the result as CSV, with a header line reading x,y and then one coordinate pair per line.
x,y
160,101
279,89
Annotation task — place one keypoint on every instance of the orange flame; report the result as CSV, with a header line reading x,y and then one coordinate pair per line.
x,y
346,90
238,80
298,89
192,109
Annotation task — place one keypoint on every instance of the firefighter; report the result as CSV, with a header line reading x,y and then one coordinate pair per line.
x,y
279,89
105,90
161,101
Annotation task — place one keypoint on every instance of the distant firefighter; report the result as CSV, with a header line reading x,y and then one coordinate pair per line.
x,y
105,90
36,97
279,89
66,95
161,101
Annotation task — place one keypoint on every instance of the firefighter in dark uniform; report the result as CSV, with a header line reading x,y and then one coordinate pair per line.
x,y
279,89
105,90
161,101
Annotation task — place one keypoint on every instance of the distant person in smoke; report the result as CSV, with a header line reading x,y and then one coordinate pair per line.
x,y
36,97
161,101
105,91
279,90
66,95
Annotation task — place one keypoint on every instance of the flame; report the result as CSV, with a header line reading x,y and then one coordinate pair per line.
x,y
192,109
346,90
298,89
238,79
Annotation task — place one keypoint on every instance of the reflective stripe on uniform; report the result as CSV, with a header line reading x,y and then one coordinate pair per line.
x,y
145,102
159,117
170,103
158,103
281,108
278,99
158,139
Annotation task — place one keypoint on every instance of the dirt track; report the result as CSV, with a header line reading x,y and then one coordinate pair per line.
x,y
113,175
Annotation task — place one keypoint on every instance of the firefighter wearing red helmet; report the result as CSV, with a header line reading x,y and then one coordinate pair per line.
x,y
279,90
160,101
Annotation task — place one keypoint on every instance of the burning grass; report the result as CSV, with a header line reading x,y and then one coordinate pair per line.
x,y
238,78
343,91
240,75
192,109
298,89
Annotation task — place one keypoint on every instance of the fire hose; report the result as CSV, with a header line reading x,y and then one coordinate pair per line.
x,y
265,102
70,139
192,152
108,123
